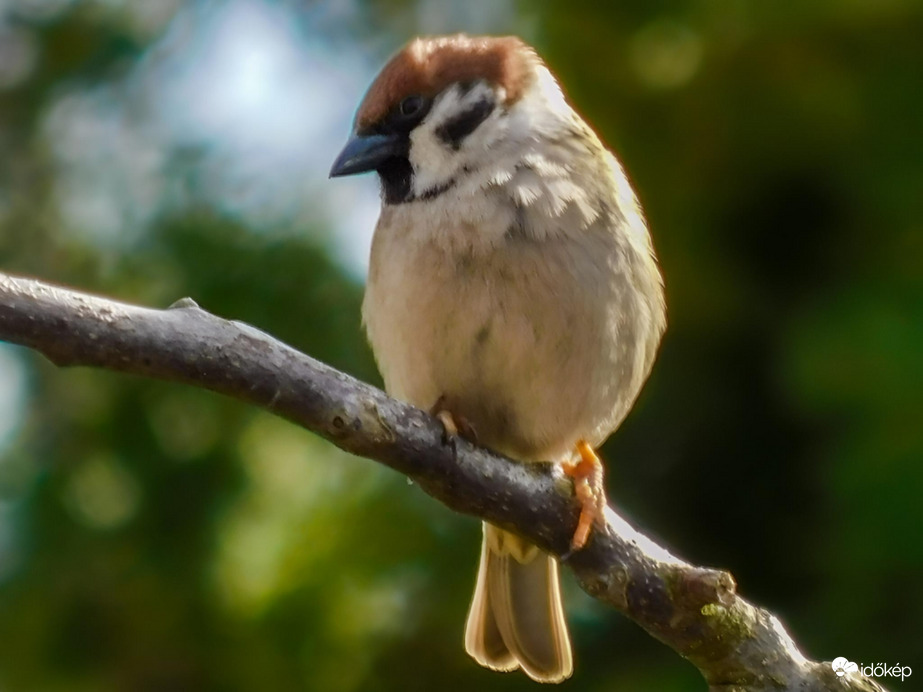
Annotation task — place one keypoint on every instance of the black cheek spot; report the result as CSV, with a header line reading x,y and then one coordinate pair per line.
x,y
482,335
454,130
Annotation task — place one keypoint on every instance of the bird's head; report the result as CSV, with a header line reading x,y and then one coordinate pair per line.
x,y
444,107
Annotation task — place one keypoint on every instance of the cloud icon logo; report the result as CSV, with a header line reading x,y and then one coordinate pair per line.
x,y
841,666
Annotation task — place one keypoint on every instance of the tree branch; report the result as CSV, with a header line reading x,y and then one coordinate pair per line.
x,y
737,646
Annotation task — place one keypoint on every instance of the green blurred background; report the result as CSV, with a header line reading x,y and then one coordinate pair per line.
x,y
155,537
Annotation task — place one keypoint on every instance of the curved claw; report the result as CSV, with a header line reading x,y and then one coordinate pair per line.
x,y
453,426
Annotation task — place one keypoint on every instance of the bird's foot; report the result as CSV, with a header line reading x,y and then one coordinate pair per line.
x,y
587,474
453,426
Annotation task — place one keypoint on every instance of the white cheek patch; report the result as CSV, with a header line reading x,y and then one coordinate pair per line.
x,y
435,161
530,165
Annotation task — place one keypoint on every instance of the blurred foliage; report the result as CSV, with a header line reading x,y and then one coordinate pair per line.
x,y
155,537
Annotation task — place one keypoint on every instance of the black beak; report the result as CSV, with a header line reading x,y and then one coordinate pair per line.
x,y
367,153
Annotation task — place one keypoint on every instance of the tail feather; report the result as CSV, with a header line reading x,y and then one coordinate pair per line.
x,y
516,617
483,640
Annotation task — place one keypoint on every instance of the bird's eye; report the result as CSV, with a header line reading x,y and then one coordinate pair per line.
x,y
410,106
404,115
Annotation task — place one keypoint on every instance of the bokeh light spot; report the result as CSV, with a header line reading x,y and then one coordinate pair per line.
x,y
666,54
101,494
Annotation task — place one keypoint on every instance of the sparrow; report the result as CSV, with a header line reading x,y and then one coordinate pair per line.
x,y
513,290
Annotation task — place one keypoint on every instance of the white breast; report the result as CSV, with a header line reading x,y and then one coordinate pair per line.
x,y
537,342
526,294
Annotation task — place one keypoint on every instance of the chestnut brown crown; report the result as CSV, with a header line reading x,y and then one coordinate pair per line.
x,y
426,66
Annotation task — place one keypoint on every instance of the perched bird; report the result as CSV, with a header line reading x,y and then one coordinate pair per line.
x,y
513,291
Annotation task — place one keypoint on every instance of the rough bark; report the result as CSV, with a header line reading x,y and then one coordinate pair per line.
x,y
694,610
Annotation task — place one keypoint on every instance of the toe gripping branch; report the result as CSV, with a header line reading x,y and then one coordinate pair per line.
x,y
587,474
453,426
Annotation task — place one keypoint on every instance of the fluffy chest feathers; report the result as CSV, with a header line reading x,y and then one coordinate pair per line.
x,y
531,303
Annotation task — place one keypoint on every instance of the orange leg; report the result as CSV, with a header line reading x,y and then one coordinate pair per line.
x,y
587,473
